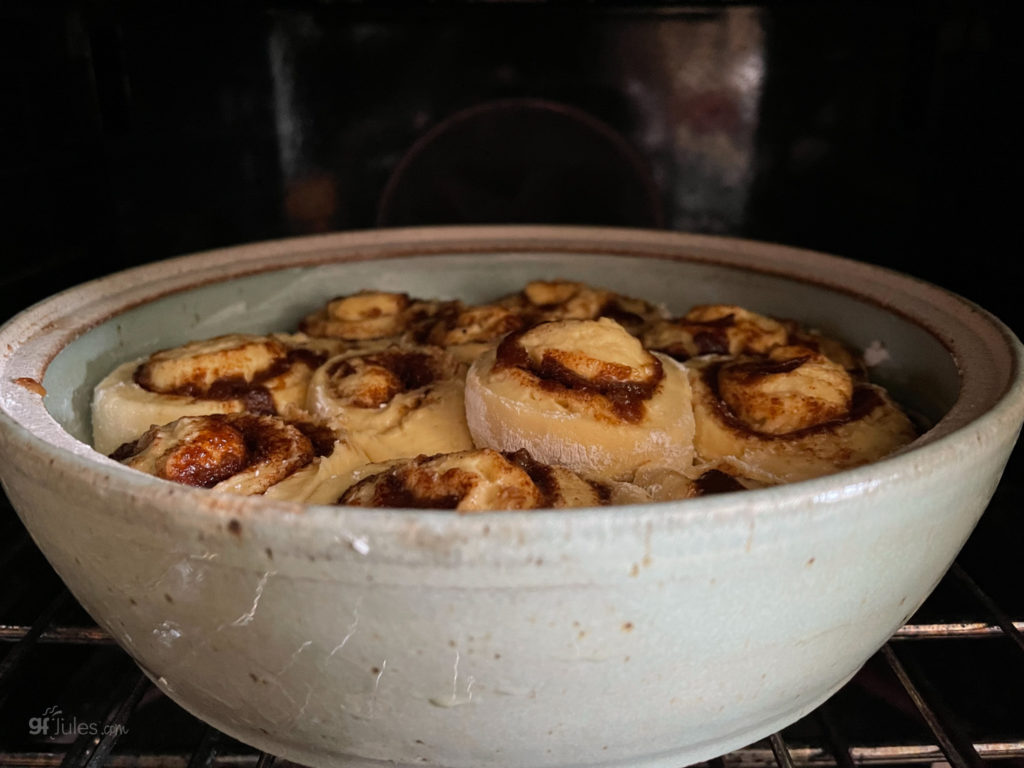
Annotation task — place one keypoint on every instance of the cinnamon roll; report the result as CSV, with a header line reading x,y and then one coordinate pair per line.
x,y
547,300
658,483
583,394
240,453
473,481
369,316
790,415
723,329
467,332
226,374
661,483
394,402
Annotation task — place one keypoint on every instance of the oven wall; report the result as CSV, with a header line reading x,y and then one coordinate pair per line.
x,y
880,132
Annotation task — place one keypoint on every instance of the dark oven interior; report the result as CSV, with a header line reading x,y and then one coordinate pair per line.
x,y
876,131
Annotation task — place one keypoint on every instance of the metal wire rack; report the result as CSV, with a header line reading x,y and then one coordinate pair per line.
x,y
942,690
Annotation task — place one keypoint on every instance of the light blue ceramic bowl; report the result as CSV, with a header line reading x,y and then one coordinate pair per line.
x,y
653,635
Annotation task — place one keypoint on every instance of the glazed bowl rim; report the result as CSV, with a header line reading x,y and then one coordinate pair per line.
x,y
979,407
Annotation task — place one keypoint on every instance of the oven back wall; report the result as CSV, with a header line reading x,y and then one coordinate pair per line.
x,y
136,133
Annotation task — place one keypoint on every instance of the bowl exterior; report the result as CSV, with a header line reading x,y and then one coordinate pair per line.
x,y
642,637
654,635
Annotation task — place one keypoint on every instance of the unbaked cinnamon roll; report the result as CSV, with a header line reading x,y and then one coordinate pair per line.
x,y
370,316
583,394
723,329
658,483
226,374
467,332
240,453
394,402
661,483
548,300
474,481
790,415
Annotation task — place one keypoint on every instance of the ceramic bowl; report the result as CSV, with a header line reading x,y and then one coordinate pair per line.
x,y
651,635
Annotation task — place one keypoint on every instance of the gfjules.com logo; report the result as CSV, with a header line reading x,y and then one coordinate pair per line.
x,y
53,724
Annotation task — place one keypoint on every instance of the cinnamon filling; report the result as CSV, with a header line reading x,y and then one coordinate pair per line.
x,y
865,400
390,490
383,375
614,310
222,446
543,476
627,399
711,337
252,391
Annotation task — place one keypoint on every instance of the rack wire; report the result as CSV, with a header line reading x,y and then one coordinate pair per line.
x,y
900,710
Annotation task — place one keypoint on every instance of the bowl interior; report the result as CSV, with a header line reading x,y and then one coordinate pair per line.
x,y
909,360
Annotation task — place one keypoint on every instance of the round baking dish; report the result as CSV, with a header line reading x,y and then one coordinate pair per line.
x,y
650,635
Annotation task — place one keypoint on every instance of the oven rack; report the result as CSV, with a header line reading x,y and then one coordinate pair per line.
x,y
128,723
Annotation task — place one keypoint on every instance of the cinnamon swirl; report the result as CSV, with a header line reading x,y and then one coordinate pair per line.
x,y
583,394
467,332
723,329
394,402
369,316
790,415
226,374
547,300
474,481
240,453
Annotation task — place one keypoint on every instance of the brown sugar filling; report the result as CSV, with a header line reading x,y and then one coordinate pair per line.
x,y
627,399
253,392
865,400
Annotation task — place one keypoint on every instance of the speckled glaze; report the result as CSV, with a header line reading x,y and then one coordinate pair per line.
x,y
652,635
